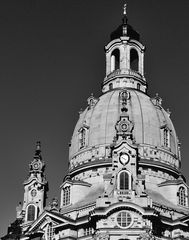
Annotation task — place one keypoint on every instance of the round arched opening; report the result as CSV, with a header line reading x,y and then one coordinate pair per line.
x,y
115,60
31,213
134,60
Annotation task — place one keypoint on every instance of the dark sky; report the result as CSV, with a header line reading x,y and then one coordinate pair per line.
x,y
52,58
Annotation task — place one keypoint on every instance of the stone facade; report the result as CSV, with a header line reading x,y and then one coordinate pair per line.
x,y
124,179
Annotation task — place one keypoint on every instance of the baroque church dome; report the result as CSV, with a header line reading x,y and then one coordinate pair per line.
x,y
124,179
147,115
152,130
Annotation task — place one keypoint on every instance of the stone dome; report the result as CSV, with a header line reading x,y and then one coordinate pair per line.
x,y
147,115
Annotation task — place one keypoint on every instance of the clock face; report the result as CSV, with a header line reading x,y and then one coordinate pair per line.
x,y
33,193
124,158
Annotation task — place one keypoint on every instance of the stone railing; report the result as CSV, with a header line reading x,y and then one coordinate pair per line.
x,y
125,195
123,72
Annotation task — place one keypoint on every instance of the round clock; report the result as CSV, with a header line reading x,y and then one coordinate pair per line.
x,y
124,158
33,193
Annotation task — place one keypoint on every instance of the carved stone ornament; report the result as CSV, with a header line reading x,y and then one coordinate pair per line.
x,y
147,236
102,236
124,96
124,126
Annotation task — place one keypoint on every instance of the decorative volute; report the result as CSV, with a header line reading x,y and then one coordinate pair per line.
x,y
124,59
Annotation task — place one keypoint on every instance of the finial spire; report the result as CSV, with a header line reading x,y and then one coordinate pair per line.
x,y
38,148
124,19
125,9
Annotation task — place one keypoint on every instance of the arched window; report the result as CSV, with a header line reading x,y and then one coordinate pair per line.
x,y
115,60
31,213
66,196
182,196
138,86
110,86
134,60
50,232
124,182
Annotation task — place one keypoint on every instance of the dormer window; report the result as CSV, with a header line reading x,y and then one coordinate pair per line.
x,y
83,136
182,196
166,137
66,196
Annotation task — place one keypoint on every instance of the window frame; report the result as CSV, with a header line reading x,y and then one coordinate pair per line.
x,y
66,196
182,197
129,179
33,213
124,218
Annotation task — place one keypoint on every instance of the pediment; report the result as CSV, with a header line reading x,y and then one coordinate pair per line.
x,y
45,218
70,182
124,145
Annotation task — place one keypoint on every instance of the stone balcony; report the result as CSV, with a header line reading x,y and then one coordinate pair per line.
x,y
124,72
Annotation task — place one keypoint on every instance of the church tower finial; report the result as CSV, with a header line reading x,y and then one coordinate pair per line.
x,y
38,149
124,20
125,9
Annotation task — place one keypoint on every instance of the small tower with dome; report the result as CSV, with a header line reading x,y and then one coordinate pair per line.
x,y
124,59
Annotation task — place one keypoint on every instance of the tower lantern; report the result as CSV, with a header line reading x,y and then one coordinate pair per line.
x,y
124,59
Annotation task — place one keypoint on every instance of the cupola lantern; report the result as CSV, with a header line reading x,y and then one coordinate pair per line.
x,y
124,59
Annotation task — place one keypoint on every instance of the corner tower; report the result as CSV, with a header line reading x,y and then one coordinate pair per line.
x,y
35,190
124,59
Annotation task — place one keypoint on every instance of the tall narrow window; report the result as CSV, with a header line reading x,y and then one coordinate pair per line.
x,y
166,137
50,232
124,181
134,60
31,213
66,196
182,196
82,137
115,60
